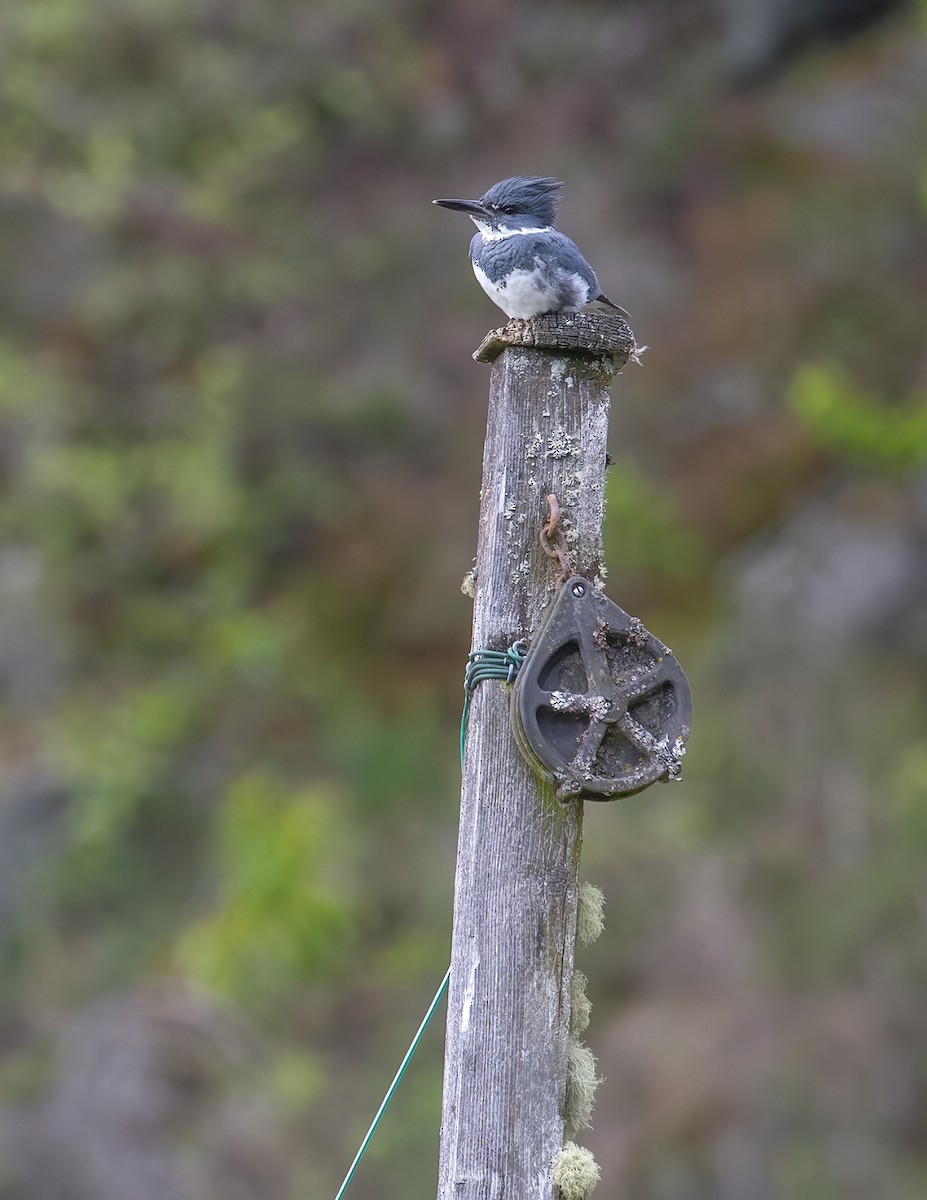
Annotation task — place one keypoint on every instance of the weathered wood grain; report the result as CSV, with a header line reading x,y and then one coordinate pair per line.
x,y
519,847
587,332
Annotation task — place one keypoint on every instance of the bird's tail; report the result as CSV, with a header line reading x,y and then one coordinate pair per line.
x,y
603,299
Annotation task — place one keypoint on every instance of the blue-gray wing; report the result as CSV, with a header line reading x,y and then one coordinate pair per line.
x,y
566,269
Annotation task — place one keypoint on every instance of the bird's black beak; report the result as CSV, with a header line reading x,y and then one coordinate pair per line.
x,y
467,206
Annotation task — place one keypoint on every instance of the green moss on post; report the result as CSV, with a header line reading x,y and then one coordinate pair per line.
x,y
576,1172
590,919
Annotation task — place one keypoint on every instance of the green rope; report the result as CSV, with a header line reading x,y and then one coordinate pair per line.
x,y
392,1087
481,664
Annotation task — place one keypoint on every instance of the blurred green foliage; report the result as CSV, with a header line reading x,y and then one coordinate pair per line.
x,y
646,533
279,919
846,421
237,495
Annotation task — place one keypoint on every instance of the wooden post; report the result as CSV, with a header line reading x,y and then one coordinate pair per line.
x,y
518,853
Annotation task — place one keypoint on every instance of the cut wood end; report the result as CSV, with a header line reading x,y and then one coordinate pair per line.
x,y
593,332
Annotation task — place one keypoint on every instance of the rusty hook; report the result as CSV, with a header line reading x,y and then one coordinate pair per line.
x,y
553,543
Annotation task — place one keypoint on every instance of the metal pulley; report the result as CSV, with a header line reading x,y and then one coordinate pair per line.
x,y
600,705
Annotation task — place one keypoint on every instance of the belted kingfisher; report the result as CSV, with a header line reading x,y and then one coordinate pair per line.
x,y
520,261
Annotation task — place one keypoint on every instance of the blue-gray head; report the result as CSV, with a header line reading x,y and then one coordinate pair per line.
x,y
522,202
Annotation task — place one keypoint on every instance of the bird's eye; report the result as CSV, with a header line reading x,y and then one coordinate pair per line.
x,y
509,210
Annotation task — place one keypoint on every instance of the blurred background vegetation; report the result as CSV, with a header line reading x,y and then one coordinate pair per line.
x,y
239,468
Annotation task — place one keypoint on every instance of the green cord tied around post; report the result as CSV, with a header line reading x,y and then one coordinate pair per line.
x,y
488,664
481,664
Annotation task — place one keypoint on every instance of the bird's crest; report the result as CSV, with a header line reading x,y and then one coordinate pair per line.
x,y
535,195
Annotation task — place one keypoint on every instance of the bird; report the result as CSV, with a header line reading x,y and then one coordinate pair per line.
x,y
525,265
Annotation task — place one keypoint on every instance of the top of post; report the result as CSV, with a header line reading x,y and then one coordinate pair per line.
x,y
596,333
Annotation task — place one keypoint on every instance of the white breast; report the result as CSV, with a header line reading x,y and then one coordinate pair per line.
x,y
519,294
